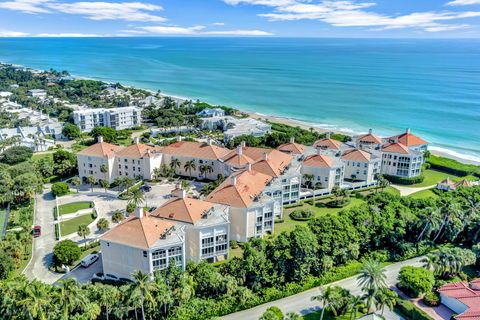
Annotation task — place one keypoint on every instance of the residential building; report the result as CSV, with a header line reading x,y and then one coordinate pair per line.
x,y
204,156
38,138
328,171
206,226
144,243
246,126
328,143
398,160
360,165
276,164
463,299
251,211
38,93
368,141
449,185
294,149
137,160
211,112
116,118
91,160
410,140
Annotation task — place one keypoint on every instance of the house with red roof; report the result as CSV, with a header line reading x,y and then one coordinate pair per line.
x,y
409,140
327,170
360,165
368,141
462,298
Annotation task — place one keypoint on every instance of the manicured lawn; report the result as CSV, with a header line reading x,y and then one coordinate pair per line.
x,y
38,156
392,190
424,194
74,207
290,224
71,226
432,177
330,316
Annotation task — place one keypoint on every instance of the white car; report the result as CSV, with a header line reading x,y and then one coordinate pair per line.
x,y
89,260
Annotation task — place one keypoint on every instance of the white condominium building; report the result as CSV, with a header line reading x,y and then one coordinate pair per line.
x,y
327,171
206,226
398,160
116,118
368,141
251,211
142,242
360,165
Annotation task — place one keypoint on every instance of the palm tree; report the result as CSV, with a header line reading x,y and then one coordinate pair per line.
x,y
83,231
325,299
68,297
449,210
175,164
137,197
316,186
385,297
353,304
142,289
104,170
104,184
431,219
91,180
76,182
430,262
372,276
106,296
189,167
36,300
308,178
162,292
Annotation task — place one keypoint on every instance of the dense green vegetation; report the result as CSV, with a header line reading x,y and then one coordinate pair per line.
x,y
16,154
452,166
415,281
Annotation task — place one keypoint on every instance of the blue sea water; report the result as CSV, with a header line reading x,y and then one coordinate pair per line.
x,y
431,86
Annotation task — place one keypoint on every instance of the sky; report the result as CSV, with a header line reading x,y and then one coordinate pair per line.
x,y
254,18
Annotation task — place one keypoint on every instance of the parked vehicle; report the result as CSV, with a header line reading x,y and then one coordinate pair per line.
x,y
37,231
89,260
98,276
111,277
146,188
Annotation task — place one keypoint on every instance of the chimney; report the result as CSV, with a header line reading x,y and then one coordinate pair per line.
x,y
100,139
369,131
319,151
179,138
209,141
243,144
234,180
136,140
249,167
292,139
407,131
327,135
265,156
239,150
180,193
139,212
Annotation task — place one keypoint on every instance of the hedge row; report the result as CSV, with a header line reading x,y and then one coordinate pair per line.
x,y
403,180
409,311
453,166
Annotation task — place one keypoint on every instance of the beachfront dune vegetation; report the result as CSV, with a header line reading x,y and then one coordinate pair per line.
x,y
326,249
453,166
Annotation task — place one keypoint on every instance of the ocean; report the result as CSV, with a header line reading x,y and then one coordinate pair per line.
x,y
430,86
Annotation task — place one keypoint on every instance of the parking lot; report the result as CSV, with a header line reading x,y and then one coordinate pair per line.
x,y
84,275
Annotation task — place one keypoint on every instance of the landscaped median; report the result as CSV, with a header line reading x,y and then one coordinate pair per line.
x,y
72,215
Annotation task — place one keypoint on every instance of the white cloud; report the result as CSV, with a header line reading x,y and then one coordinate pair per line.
x,y
463,2
240,33
26,6
169,30
349,13
12,34
68,35
217,24
129,11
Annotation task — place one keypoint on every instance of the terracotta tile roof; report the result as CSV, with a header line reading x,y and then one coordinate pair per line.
x,y
276,161
446,181
101,149
395,148
292,147
463,293
137,151
328,143
318,160
248,185
237,160
141,233
196,150
356,155
369,138
187,210
463,183
409,139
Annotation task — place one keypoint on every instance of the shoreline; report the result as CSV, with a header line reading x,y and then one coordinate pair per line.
x,y
447,153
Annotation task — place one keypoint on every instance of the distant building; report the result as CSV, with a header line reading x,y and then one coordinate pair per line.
x,y
246,126
5,94
38,138
38,93
449,185
462,298
209,112
328,143
368,141
116,118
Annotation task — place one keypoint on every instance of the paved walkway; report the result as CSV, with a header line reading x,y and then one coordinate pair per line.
x,y
438,313
406,191
43,245
301,303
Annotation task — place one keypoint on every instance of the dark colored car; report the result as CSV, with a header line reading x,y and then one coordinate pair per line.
x,y
37,231
146,188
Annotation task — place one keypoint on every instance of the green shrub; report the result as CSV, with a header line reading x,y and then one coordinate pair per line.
x,y
66,252
233,244
16,154
340,203
276,312
415,281
404,180
431,299
453,166
409,311
60,189
301,215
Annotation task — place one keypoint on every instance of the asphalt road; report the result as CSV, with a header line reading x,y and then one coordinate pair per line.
x,y
301,303
84,275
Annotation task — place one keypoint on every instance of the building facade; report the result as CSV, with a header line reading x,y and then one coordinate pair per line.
x,y
116,118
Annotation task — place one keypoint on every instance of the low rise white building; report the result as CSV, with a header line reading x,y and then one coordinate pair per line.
x,y
211,112
38,93
137,160
327,171
360,165
116,118
399,161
